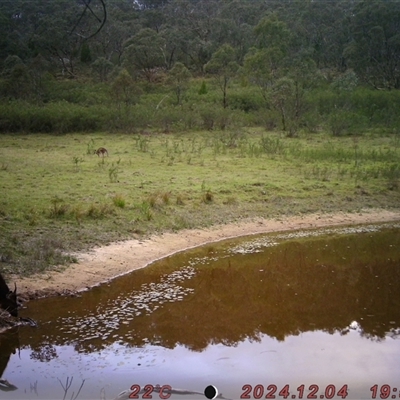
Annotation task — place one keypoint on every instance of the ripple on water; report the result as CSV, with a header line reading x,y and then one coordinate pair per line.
x,y
258,244
123,310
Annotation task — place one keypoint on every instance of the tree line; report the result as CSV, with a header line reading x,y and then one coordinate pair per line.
x,y
284,48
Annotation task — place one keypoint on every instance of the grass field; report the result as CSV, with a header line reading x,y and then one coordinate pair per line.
x,y
59,197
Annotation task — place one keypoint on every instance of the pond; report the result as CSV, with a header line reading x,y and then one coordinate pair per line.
x,y
304,314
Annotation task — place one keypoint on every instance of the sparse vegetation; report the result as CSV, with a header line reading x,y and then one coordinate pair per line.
x,y
119,201
77,161
207,197
59,208
113,171
166,196
231,175
146,210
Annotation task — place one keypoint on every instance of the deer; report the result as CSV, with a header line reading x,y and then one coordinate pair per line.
x,y
102,151
8,299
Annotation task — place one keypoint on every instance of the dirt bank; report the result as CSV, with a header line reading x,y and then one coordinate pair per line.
x,y
103,263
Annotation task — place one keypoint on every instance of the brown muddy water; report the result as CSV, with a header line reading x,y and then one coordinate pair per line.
x,y
305,314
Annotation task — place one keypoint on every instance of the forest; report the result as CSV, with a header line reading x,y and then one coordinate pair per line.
x,y
178,65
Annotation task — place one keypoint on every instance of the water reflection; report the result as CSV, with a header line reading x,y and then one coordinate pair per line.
x,y
300,285
239,293
9,343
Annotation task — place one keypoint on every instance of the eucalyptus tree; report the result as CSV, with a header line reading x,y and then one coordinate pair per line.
x,y
224,67
179,77
102,67
56,30
258,70
272,40
9,40
234,22
122,23
51,29
53,37
282,94
194,22
39,77
320,28
145,53
374,52
124,91
15,74
153,19
305,77
265,62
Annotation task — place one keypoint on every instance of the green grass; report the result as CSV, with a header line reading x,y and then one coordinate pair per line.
x,y
58,197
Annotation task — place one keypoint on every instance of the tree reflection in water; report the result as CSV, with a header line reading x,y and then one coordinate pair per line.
x,y
303,284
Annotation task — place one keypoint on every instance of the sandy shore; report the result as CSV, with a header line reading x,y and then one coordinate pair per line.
x,y
104,263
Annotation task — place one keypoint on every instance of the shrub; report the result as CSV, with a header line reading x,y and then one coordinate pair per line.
x,y
345,122
272,145
59,208
166,118
59,117
99,211
119,201
207,197
208,115
166,197
247,101
146,211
